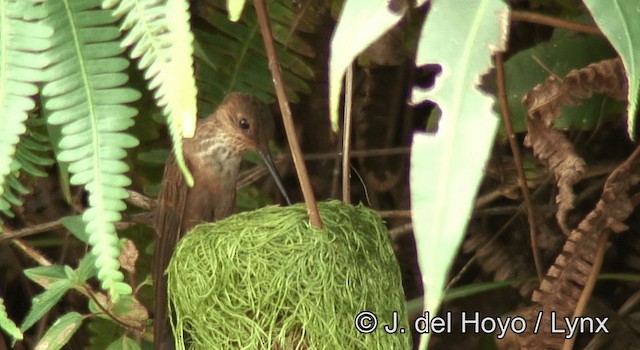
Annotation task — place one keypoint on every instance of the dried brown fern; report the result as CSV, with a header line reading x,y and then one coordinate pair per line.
x,y
503,258
564,285
544,105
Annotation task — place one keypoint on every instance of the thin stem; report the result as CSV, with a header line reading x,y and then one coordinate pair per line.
x,y
92,295
380,152
397,232
53,225
346,143
517,158
335,173
554,22
31,230
395,214
296,152
32,253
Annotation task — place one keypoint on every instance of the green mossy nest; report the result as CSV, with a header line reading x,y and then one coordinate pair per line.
x,y
267,280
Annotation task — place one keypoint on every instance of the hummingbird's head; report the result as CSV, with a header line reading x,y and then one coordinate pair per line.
x,y
241,123
246,121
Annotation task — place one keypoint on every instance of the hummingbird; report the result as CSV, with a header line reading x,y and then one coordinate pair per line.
x,y
213,155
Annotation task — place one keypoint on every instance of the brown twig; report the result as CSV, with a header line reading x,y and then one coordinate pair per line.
x,y
395,214
335,172
397,232
381,152
486,199
510,209
52,225
32,252
140,201
278,83
554,22
32,230
517,158
346,143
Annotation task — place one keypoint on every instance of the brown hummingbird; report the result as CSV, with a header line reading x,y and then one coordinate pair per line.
x,y
241,123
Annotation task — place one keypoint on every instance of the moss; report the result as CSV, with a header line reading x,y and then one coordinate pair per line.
x,y
266,279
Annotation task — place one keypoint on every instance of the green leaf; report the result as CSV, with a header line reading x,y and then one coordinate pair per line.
x,y
86,96
102,331
86,269
7,324
234,7
446,167
124,343
618,20
360,24
560,55
76,226
60,332
127,309
46,275
43,302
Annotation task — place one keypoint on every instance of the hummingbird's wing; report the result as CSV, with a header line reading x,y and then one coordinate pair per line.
x,y
168,223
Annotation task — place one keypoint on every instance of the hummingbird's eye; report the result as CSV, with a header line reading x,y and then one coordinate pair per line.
x,y
244,124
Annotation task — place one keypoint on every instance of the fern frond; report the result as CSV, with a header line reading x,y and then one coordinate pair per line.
x,y
86,97
237,51
30,156
20,68
160,35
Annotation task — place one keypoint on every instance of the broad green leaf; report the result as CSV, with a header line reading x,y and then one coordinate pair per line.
x,y
7,325
446,167
234,7
124,343
43,302
46,275
558,56
618,20
360,24
60,332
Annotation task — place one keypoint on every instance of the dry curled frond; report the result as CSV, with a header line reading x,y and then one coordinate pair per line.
x,y
564,283
544,104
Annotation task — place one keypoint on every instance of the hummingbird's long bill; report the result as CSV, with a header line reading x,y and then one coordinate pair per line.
x,y
266,158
